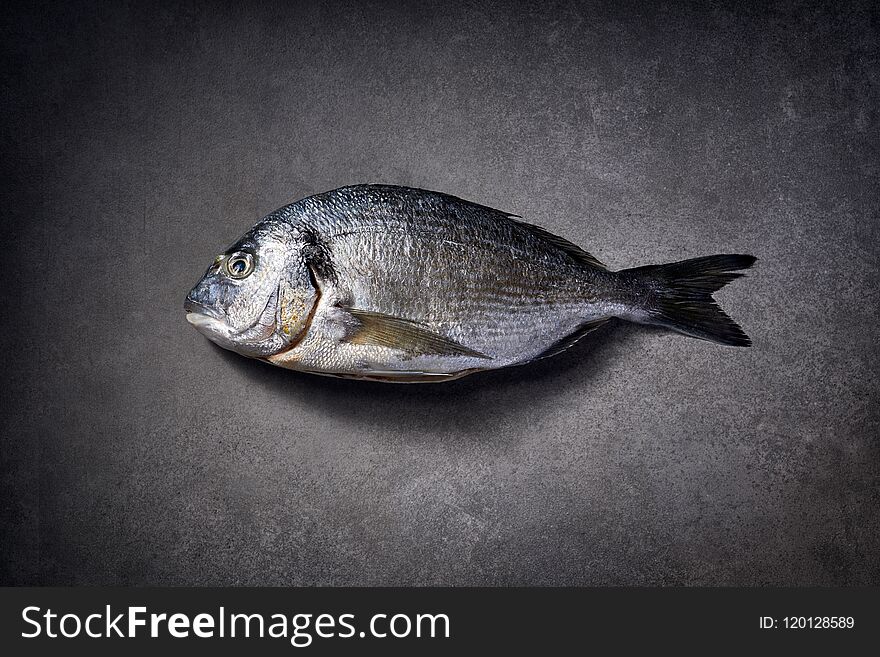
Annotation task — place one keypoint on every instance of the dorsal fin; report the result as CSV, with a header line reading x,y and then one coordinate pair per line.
x,y
571,249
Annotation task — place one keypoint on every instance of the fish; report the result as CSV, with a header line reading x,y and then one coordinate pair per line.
x,y
397,284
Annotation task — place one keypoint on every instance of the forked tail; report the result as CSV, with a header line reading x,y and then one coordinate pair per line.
x,y
679,296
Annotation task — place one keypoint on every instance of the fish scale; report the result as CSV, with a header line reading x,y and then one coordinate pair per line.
x,y
400,284
462,300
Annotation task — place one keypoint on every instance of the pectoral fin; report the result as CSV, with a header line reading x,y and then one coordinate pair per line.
x,y
410,337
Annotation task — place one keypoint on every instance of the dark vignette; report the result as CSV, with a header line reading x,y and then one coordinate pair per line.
x,y
139,139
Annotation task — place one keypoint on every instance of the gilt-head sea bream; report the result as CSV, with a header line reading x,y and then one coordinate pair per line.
x,y
407,285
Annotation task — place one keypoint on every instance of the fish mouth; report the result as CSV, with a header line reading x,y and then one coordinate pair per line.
x,y
194,307
202,317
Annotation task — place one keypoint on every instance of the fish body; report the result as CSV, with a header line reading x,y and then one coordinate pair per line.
x,y
399,284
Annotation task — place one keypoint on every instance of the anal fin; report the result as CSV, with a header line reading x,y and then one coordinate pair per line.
x,y
569,340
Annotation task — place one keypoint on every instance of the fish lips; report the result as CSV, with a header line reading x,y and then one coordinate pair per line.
x,y
193,307
203,318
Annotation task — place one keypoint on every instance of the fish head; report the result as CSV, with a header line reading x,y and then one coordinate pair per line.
x,y
256,297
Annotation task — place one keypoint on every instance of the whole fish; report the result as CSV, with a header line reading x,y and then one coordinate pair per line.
x,y
407,285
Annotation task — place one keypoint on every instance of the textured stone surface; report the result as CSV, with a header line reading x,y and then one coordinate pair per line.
x,y
138,142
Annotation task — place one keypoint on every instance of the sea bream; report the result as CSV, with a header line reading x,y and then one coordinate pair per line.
x,y
406,285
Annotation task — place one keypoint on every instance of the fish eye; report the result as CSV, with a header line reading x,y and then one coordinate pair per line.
x,y
239,265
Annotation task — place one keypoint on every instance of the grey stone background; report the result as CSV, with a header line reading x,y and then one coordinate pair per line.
x,y
139,140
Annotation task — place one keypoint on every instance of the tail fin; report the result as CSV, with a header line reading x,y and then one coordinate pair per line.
x,y
679,297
